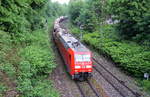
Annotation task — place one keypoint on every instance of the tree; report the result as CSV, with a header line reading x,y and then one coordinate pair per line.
x,y
134,16
75,7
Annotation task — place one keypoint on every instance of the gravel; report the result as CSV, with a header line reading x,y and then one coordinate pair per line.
x,y
128,81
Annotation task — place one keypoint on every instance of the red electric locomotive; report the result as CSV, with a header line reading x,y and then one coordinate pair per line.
x,y
77,57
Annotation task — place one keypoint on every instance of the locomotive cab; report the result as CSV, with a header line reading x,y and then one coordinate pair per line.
x,y
82,65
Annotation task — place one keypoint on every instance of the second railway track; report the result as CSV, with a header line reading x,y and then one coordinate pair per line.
x,y
116,83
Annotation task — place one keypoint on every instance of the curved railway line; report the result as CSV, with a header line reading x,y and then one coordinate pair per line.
x,y
117,84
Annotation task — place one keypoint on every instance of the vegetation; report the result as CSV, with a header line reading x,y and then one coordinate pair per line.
x,y
134,17
36,64
133,58
2,89
126,42
26,56
82,14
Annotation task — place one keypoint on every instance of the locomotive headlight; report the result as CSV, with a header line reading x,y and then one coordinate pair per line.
x,y
88,66
77,67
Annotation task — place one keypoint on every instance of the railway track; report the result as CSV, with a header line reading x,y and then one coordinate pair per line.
x,y
116,83
81,90
87,89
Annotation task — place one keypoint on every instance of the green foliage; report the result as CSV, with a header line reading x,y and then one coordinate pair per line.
x,y
134,16
109,31
5,43
40,58
133,58
145,84
9,69
5,64
12,16
30,86
89,13
134,21
22,17
87,19
2,89
37,62
75,7
55,9
75,31
42,89
25,53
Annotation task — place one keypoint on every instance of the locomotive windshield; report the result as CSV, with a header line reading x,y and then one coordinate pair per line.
x,y
82,58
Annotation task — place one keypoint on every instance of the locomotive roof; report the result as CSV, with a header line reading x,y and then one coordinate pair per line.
x,y
70,42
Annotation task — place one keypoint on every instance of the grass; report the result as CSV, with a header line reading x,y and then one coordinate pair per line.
x,y
145,84
37,62
30,63
5,65
3,88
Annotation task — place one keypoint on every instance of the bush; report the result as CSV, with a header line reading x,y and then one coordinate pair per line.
x,y
86,14
133,58
25,53
74,10
2,89
5,43
44,89
41,59
37,88
145,84
6,64
9,69
76,31
36,64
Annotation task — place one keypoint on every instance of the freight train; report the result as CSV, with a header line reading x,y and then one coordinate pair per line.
x,y
77,58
